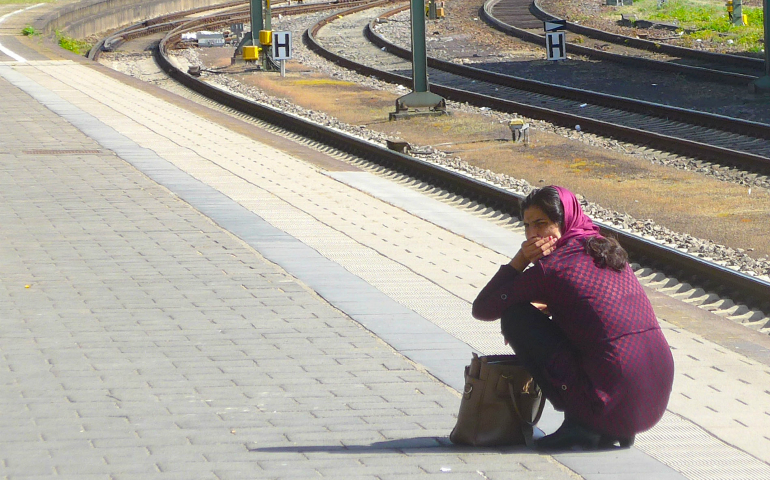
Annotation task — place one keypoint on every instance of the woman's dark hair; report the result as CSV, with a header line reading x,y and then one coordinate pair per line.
x,y
606,251
546,199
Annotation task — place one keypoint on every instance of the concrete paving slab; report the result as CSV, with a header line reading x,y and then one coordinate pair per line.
x,y
496,238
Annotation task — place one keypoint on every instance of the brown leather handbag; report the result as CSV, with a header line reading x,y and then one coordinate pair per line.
x,y
501,403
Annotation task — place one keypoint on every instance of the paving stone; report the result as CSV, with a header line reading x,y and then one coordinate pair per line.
x,y
76,476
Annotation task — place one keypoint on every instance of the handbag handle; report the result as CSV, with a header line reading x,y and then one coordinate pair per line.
x,y
527,427
516,407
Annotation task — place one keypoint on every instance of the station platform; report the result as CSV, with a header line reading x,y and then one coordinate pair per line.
x,y
186,295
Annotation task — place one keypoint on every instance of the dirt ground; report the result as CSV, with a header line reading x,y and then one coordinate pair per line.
x,y
683,201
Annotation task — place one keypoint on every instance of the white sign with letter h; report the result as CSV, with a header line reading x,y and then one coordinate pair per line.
x,y
281,45
556,45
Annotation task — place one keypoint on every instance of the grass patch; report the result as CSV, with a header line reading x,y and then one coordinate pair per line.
x,y
29,31
74,45
580,165
704,20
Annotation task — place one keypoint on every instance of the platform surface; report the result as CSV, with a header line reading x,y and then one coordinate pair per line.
x,y
184,295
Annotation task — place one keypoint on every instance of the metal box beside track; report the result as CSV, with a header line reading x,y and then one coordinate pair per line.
x,y
266,37
251,52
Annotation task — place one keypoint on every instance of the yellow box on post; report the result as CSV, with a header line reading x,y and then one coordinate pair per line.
x,y
266,37
251,52
440,12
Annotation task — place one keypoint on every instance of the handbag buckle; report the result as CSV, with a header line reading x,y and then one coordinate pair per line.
x,y
468,389
529,387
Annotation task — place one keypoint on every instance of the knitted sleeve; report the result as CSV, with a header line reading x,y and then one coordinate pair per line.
x,y
509,287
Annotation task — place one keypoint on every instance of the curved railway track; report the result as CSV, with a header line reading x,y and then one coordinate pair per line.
x,y
159,24
724,140
524,19
740,287
232,11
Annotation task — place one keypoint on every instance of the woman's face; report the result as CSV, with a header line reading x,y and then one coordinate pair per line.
x,y
538,225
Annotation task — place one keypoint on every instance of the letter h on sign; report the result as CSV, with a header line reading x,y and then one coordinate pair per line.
x,y
555,45
281,45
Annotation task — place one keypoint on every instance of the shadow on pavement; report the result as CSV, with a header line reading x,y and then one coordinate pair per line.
x,y
410,445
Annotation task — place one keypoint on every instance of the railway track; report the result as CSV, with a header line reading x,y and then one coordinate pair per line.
x,y
748,292
524,19
160,24
711,137
236,11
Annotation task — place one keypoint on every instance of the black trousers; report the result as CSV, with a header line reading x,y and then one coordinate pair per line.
x,y
535,339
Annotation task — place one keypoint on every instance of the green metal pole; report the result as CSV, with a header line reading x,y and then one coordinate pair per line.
x,y
267,26
419,55
268,15
738,13
762,84
766,15
419,97
256,20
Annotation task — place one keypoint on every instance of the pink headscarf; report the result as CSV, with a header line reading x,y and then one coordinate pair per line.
x,y
576,223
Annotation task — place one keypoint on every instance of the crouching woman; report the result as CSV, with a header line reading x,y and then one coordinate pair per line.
x,y
582,325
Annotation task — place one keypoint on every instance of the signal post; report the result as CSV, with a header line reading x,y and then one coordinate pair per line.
x,y
762,84
421,101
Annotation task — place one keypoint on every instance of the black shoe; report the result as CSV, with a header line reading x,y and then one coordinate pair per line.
x,y
569,436
608,441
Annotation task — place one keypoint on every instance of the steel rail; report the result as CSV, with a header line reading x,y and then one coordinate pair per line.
x,y
485,13
171,21
663,142
740,286
220,20
145,27
693,117
649,45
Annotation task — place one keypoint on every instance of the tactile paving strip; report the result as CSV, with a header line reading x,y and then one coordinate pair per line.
x,y
62,152
696,453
